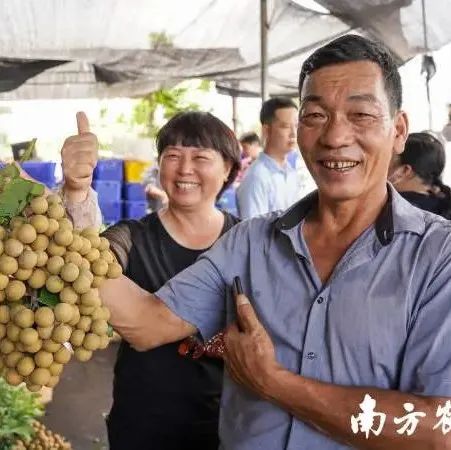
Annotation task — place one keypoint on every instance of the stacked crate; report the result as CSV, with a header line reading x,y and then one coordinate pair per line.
x,y
41,171
107,182
133,193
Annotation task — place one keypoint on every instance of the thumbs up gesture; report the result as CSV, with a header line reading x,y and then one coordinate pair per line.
x,y
79,158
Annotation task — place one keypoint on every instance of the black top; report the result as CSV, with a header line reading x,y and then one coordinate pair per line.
x,y
161,400
428,202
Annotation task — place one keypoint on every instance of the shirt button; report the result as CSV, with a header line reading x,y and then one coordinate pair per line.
x,y
311,355
320,300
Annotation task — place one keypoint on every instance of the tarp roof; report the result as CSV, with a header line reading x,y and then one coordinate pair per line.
x,y
106,41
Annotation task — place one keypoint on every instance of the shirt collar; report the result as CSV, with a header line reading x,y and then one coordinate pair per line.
x,y
397,216
272,165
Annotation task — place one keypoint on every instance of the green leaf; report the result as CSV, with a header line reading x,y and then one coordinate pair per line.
x,y
47,298
37,189
28,152
110,331
10,170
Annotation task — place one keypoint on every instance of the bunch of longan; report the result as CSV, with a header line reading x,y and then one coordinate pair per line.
x,y
43,439
42,252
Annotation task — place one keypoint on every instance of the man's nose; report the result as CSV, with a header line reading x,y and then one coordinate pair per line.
x,y
337,132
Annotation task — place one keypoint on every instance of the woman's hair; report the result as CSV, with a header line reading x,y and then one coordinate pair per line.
x,y
426,155
202,130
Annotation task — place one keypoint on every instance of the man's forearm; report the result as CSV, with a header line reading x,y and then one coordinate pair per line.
x,y
143,320
328,408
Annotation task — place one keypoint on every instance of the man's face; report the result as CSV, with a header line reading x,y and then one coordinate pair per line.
x,y
251,149
281,132
347,133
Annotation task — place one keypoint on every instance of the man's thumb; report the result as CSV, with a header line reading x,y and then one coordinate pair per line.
x,y
246,317
82,123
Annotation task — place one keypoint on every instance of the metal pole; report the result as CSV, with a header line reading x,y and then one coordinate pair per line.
x,y
234,114
264,49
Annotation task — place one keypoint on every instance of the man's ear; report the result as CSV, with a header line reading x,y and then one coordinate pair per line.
x,y
401,130
401,173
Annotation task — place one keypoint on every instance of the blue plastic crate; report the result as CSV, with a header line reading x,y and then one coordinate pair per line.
x,y
109,170
41,171
111,211
107,191
135,210
134,192
227,201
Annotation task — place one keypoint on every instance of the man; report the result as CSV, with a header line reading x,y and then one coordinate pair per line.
x,y
270,182
346,326
250,143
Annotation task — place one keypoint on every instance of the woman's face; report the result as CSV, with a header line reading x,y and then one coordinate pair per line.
x,y
192,176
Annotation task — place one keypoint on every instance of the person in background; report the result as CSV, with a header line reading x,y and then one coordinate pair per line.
x,y
251,145
156,196
161,400
270,183
416,174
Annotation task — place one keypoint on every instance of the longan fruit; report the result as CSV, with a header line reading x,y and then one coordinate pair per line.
x,y
34,388
97,281
2,330
39,205
114,270
40,223
37,279
83,355
70,272
33,348
4,280
26,233
40,376
2,296
13,247
54,380
87,273
54,284
82,284
1,247
61,333
2,233
76,245
84,323
85,264
75,317
23,274
77,337
12,359
63,312
16,222
104,244
62,356
41,243
15,290
53,227
13,332
63,237
86,310
91,298
91,342
92,255
99,267
42,258
28,336
27,260
25,366
55,368
85,247
54,199
54,249
8,265
106,313
94,239
55,211
44,317
45,332
104,342
73,257
51,346
24,318
6,346
68,295
65,224
43,359
99,327
107,256
89,231
55,264
13,378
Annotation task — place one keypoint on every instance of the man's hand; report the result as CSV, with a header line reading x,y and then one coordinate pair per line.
x,y
79,158
249,352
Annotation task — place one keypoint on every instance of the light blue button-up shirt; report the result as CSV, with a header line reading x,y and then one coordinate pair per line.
x,y
267,187
383,319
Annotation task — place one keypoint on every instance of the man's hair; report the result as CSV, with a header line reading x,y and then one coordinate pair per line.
x,y
351,48
202,130
250,138
269,108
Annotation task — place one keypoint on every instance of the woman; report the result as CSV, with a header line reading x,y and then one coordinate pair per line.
x,y
162,400
416,174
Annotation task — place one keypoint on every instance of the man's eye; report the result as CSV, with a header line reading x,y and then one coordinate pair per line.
x,y
313,117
